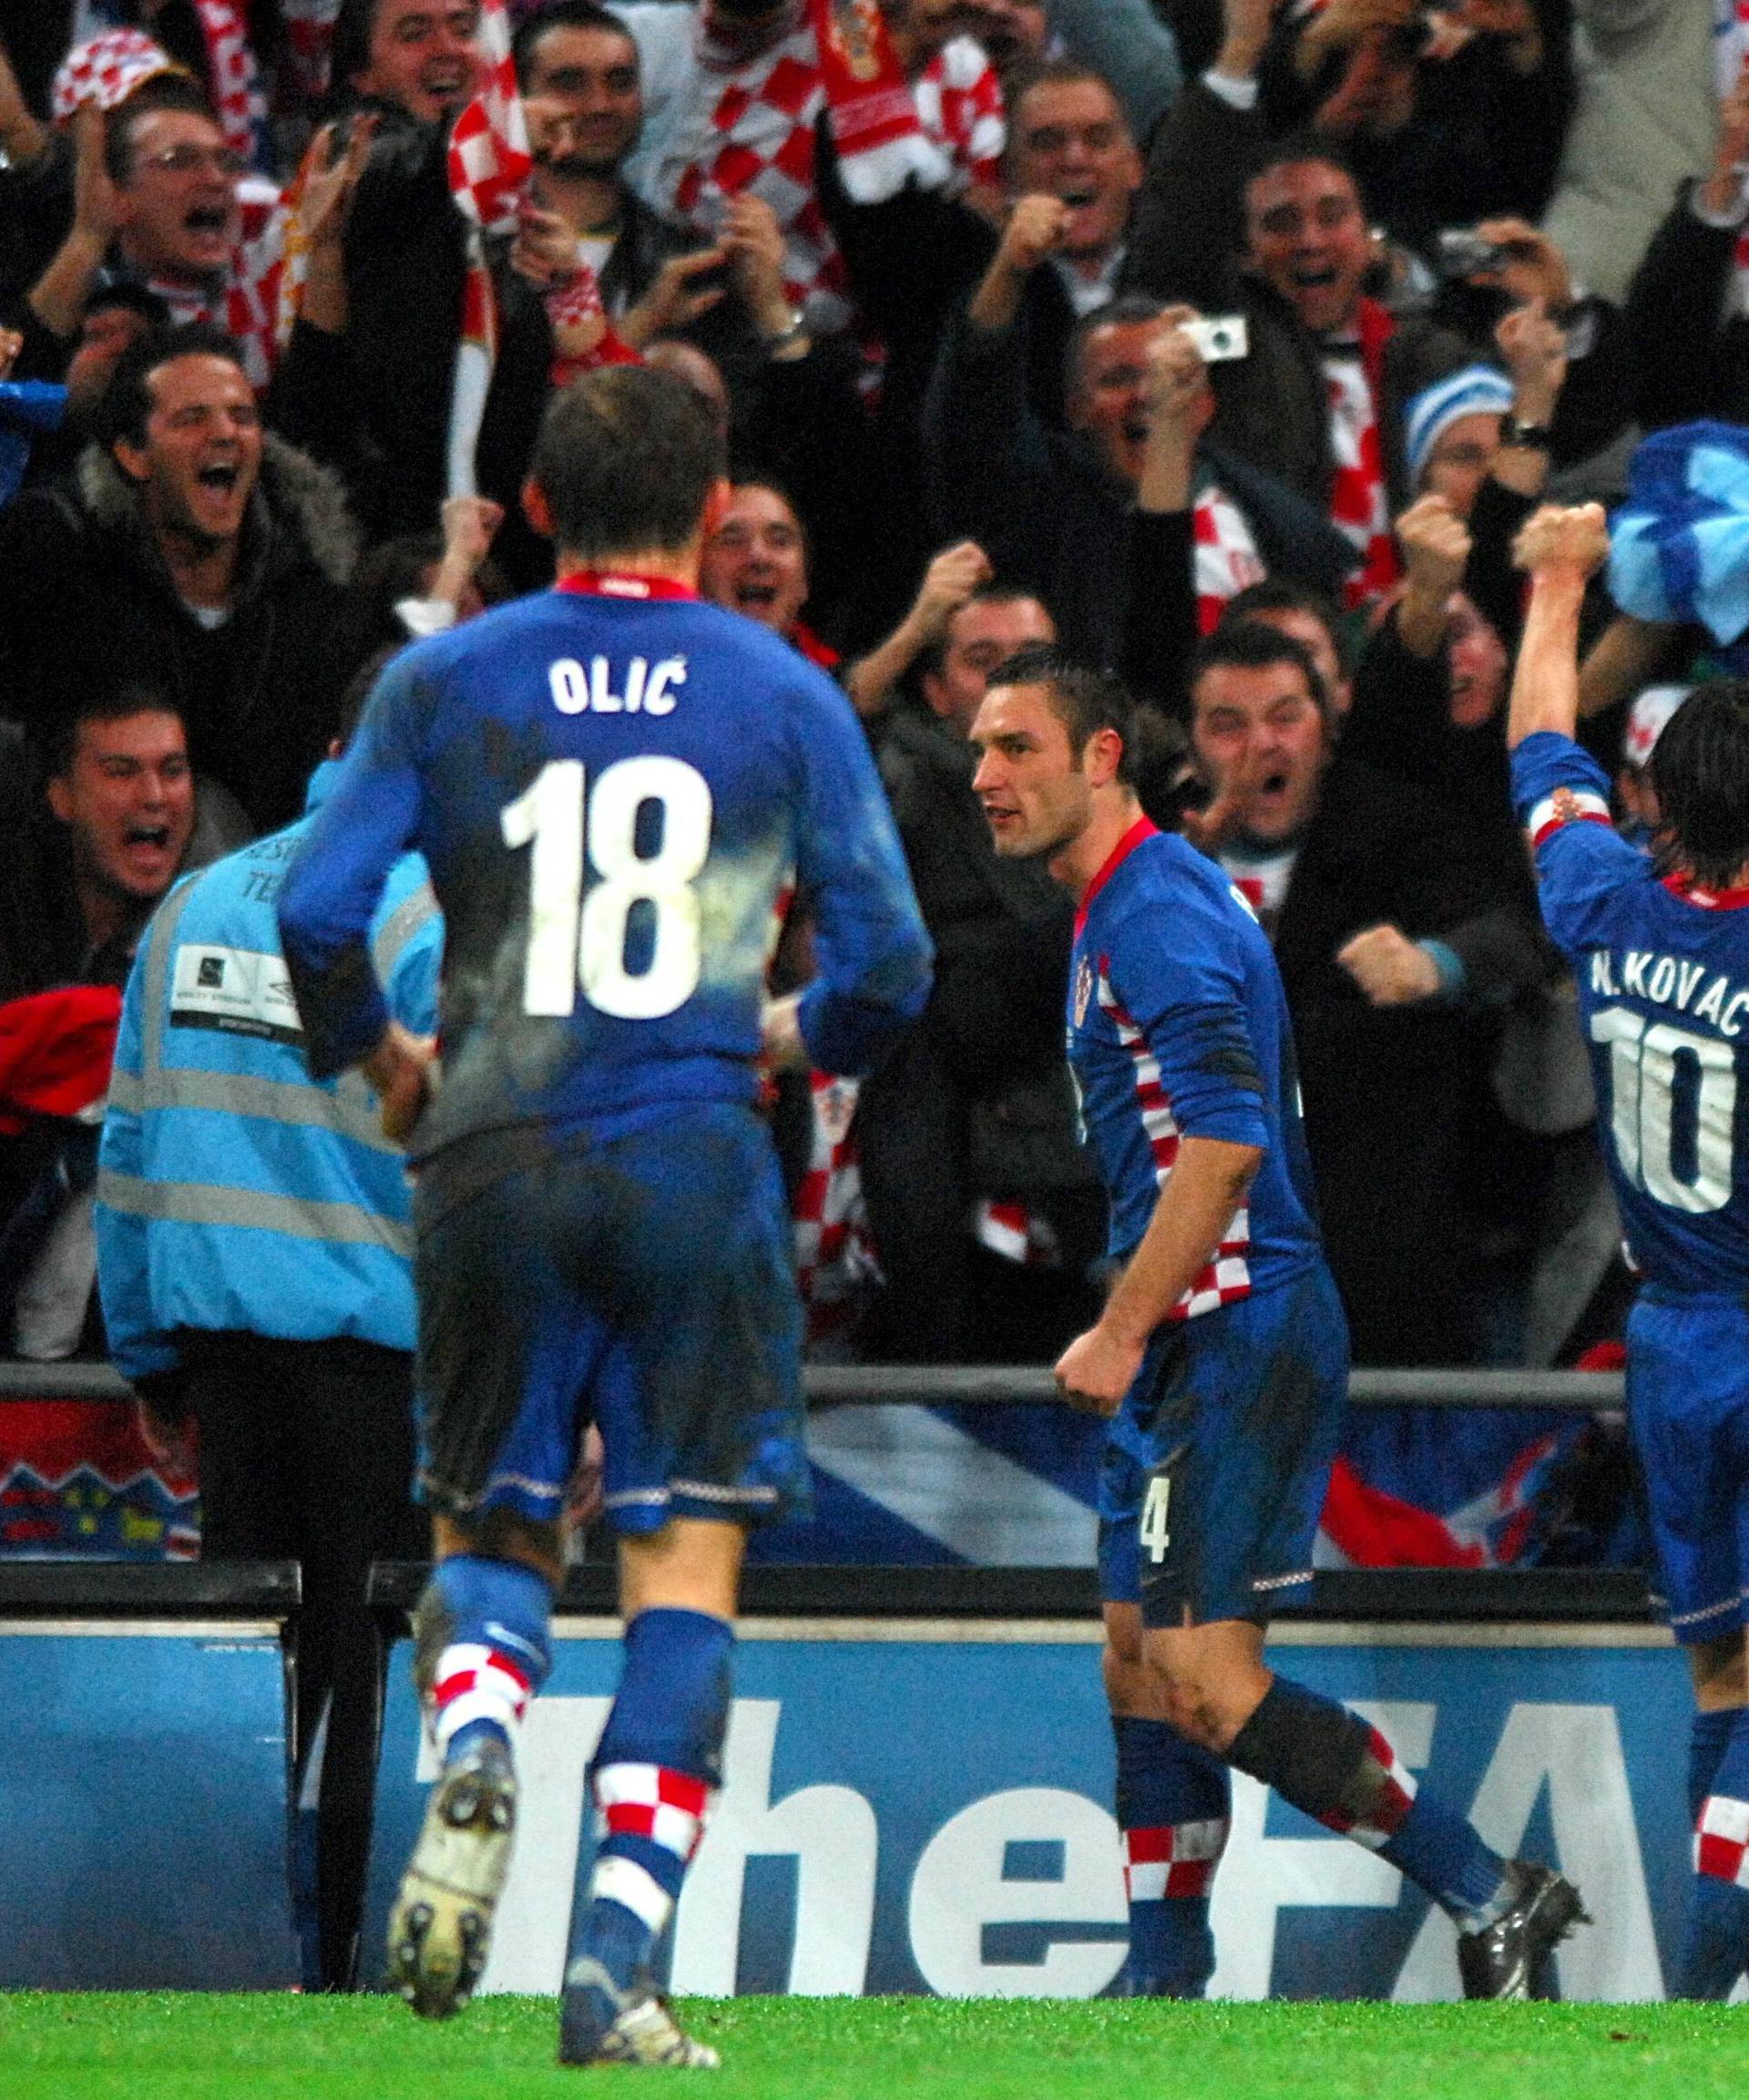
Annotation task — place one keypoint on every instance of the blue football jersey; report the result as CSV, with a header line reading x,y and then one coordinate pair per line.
x,y
1177,1027
612,786
1663,993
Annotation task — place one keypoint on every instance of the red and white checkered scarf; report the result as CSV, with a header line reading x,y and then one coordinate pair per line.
x,y
233,79
1359,502
835,1265
758,134
1225,556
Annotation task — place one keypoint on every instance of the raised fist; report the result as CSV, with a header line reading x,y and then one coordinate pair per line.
x,y
1557,542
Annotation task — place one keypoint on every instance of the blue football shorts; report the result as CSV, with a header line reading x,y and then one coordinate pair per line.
x,y
1216,1465
638,1273
1688,1410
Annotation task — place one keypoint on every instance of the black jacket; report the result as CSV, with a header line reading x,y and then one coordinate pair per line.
x,y
1396,1112
90,604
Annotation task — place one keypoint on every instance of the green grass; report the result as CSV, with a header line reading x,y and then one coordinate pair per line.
x,y
194,2047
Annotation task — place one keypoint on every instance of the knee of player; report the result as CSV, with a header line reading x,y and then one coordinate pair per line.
x,y
1194,1705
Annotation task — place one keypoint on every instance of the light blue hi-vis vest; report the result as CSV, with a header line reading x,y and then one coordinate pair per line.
x,y
235,1192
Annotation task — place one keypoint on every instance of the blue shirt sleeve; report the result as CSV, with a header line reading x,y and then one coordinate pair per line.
x,y
333,885
1562,798
1186,993
874,955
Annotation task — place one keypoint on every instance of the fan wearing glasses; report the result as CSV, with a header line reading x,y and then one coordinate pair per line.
x,y
155,199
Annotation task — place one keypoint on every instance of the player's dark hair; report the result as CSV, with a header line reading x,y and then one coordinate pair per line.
x,y
162,91
1254,645
564,15
102,704
1131,311
1278,594
626,460
1700,768
127,401
1084,700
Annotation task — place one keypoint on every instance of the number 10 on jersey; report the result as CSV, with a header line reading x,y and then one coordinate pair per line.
x,y
577,941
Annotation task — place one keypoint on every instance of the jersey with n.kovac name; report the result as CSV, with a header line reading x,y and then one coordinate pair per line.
x,y
610,783
1177,1027
1664,998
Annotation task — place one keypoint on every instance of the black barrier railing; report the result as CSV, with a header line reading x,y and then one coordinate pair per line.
x,y
992,1385
1492,1596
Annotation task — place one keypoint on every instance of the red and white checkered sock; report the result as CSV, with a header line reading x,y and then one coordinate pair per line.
x,y
477,1684
1172,1859
651,1822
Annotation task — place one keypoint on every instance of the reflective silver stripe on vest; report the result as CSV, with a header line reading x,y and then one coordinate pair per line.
x,y
204,1204
349,1111
399,928
160,942
124,1093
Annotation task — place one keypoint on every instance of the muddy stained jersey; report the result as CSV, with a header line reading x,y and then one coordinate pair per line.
x,y
1663,989
1177,1027
610,782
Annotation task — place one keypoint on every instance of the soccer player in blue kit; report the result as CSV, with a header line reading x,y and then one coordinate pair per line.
x,y
1661,950
1220,1357
611,783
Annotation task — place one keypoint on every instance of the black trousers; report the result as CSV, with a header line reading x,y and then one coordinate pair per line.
x,y
307,1454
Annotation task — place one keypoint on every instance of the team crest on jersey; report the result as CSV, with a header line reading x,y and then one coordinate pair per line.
x,y
1083,990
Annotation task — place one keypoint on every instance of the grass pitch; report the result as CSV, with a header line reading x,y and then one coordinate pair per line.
x,y
198,2047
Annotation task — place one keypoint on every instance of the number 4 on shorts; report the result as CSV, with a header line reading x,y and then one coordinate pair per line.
x,y
1155,1536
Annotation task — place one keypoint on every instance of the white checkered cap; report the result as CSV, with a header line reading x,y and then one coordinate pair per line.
x,y
106,70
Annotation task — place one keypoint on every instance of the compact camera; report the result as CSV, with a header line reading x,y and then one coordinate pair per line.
x,y
1462,252
1220,337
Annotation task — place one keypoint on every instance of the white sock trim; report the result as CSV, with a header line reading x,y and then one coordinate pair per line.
x,y
625,1882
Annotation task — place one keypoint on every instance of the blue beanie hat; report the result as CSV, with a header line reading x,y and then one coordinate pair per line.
x,y
1473,390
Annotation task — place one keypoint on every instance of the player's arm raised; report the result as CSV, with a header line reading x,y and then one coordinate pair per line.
x,y
1208,1184
1561,550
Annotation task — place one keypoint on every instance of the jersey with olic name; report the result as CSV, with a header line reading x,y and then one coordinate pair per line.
x,y
1663,990
610,782
1177,1027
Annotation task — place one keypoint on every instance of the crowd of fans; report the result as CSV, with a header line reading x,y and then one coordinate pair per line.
x,y
1111,321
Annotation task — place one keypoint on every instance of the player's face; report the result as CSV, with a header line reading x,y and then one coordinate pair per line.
x,y
1309,238
128,801
980,636
1070,140
1258,731
589,78
1029,782
756,561
422,56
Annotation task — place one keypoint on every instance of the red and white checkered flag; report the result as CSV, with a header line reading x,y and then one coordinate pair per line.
x,y
489,161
